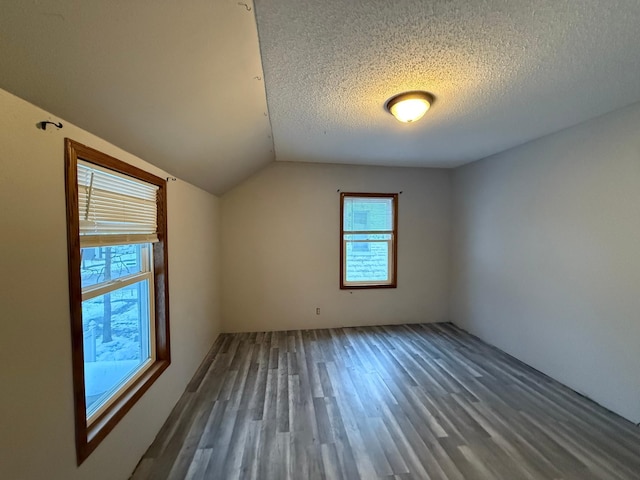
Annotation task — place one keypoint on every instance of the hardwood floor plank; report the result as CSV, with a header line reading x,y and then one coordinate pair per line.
x,y
413,450
282,400
330,463
346,459
249,464
199,464
389,447
218,441
190,444
425,401
325,432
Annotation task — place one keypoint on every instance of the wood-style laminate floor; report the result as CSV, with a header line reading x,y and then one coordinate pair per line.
x,y
399,402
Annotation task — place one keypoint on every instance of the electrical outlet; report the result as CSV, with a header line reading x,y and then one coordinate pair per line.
x,y
317,310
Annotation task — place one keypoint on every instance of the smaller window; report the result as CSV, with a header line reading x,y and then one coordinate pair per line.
x,y
368,240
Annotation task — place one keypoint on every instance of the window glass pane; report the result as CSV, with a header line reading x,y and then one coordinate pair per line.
x,y
102,264
366,214
116,340
367,261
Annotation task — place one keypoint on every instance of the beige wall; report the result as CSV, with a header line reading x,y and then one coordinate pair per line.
x,y
546,256
280,244
36,404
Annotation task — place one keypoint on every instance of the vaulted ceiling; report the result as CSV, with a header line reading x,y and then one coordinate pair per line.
x,y
212,91
177,83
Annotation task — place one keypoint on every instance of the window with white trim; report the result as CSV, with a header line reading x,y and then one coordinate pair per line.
x,y
116,217
368,240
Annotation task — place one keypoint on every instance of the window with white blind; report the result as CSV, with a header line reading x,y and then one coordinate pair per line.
x,y
368,240
115,208
116,217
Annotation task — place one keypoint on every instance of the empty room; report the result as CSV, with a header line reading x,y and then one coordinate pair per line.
x,y
341,240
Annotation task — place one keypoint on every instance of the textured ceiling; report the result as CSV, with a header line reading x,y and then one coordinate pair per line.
x,y
177,83
180,84
503,72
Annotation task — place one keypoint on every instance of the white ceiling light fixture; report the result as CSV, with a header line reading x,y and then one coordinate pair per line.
x,y
408,107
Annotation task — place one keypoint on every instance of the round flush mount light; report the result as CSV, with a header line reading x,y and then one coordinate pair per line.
x,y
408,107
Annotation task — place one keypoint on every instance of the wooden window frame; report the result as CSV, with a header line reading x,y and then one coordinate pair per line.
x,y
394,235
89,436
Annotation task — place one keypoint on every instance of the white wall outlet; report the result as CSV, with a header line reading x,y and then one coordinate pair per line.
x,y
317,310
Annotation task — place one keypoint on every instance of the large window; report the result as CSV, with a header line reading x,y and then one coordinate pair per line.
x,y
116,218
368,240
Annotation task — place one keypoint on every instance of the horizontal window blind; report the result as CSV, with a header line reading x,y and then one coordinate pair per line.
x,y
115,208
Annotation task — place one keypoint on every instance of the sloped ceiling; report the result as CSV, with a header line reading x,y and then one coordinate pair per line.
x,y
503,72
178,83
181,83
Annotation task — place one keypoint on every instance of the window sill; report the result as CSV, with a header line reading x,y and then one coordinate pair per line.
x,y
362,287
